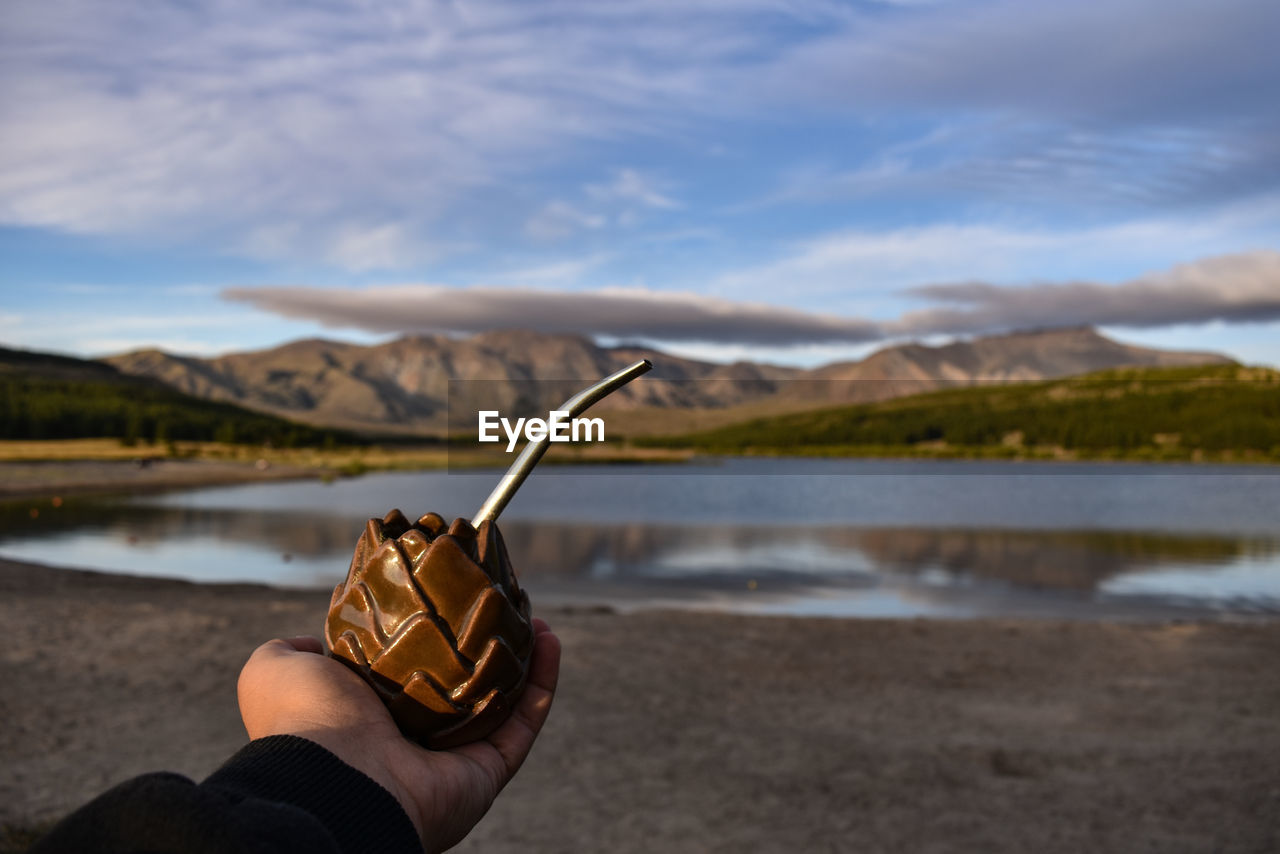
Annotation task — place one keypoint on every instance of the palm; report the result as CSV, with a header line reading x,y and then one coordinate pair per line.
x,y
284,690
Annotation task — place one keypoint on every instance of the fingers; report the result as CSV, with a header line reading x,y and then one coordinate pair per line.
x,y
544,668
260,674
306,643
514,739
287,646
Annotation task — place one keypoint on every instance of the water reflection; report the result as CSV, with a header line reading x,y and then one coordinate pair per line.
x,y
796,568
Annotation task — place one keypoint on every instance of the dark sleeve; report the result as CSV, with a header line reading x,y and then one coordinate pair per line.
x,y
278,795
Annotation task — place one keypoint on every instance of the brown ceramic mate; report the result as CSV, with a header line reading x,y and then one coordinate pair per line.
x,y
432,617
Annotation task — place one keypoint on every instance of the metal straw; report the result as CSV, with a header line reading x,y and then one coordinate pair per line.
x,y
523,465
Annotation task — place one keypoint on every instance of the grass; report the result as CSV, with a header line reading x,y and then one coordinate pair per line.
x,y
343,461
1223,413
1215,413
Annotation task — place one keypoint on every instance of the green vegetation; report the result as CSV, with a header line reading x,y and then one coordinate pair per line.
x,y
49,397
1220,412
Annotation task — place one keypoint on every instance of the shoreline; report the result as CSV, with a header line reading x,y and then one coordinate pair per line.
x,y
38,478
711,732
45,479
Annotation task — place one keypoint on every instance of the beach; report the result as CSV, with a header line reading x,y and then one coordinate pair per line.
x,y
54,477
700,732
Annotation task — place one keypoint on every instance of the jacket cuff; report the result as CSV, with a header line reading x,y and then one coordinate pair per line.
x,y
360,814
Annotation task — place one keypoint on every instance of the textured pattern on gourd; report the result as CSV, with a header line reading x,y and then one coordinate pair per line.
x,y
433,618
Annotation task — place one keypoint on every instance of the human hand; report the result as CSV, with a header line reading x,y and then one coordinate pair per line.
x,y
289,687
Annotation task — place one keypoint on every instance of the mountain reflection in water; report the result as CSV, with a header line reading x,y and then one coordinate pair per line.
x,y
791,568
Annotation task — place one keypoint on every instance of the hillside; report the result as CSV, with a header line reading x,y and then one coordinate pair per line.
x,y
1033,355
404,385
45,396
1223,412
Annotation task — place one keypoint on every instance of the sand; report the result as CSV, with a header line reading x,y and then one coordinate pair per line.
x,y
47,478
695,732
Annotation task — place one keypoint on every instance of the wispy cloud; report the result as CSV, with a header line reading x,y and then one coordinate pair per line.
x,y
628,185
620,201
378,137
559,219
1131,104
92,333
1055,167
854,264
555,274
289,130
1133,62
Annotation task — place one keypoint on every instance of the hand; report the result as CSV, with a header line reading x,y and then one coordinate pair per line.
x,y
289,687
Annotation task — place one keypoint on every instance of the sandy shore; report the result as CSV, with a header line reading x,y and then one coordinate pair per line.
x,y
82,477
689,732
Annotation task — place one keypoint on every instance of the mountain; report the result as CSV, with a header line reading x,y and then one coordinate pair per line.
x,y
1026,356
404,385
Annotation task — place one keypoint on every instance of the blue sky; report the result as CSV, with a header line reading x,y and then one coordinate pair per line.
x,y
796,181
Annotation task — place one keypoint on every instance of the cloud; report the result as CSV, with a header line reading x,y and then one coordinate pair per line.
x,y
1135,62
1055,104
1232,288
557,273
852,265
1054,166
95,330
630,186
290,130
618,313
615,201
381,136
559,219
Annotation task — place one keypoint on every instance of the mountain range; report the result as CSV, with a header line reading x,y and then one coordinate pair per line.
x,y
404,385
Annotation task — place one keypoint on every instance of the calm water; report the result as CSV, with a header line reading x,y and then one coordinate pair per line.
x,y
855,538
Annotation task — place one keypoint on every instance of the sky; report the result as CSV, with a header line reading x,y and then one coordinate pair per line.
x,y
796,181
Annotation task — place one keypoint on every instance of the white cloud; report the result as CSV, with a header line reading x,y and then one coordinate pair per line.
x,y
1130,61
857,263
558,273
363,135
617,201
630,186
559,219
96,330
293,130
384,246
227,120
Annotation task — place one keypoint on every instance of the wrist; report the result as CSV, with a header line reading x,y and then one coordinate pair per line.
x,y
371,757
358,811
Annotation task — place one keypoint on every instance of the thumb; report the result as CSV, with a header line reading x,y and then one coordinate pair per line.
x,y
306,643
263,661
277,648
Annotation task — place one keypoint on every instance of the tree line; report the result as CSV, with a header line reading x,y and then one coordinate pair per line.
x,y
1160,412
39,407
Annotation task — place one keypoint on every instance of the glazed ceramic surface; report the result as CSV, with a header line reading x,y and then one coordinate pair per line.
x,y
431,615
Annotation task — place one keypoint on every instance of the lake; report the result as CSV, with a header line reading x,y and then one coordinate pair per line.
x,y
823,537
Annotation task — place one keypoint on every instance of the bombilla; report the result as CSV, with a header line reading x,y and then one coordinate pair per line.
x,y
533,451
